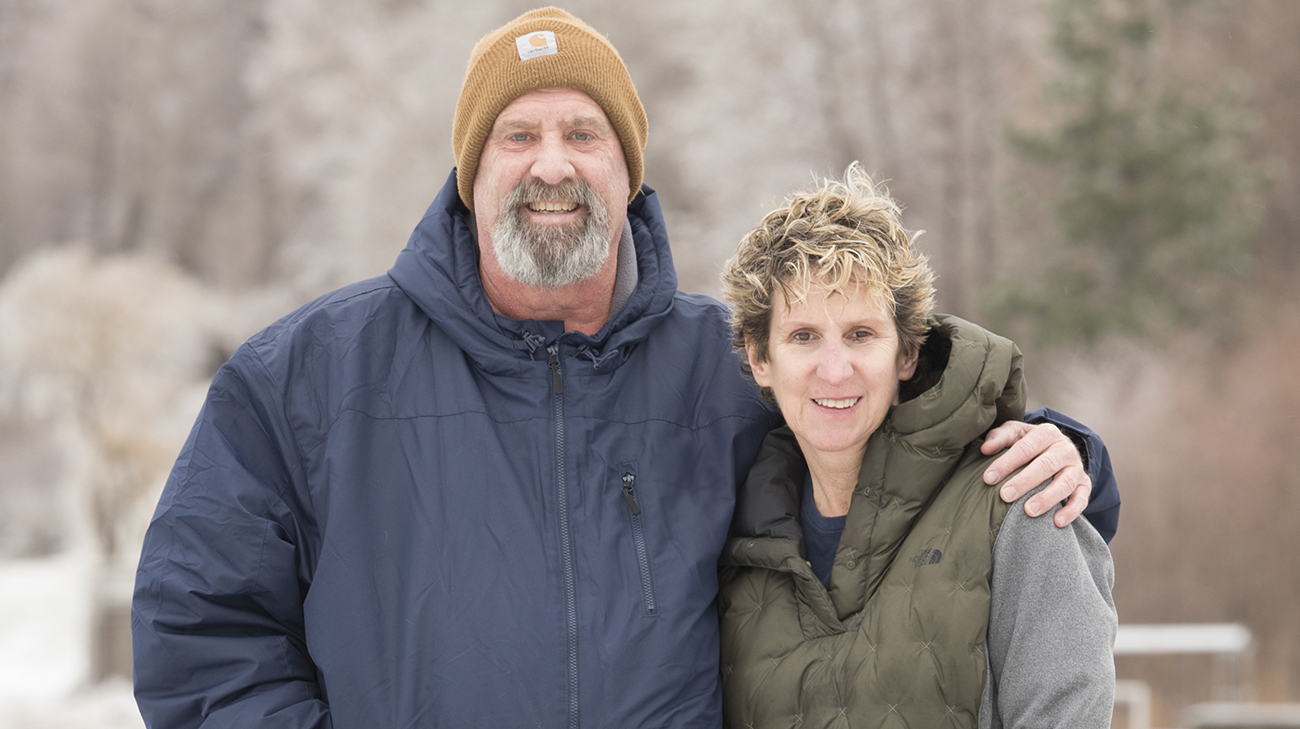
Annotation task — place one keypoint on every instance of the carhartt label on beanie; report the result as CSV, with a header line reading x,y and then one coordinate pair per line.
x,y
544,49
532,45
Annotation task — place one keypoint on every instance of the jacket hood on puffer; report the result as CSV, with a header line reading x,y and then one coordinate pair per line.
x,y
444,281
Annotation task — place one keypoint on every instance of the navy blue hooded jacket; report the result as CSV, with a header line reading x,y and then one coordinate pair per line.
x,y
398,509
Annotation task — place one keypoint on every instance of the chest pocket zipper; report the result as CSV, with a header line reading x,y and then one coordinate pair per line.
x,y
638,538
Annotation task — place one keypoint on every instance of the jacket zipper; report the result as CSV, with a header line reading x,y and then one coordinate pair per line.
x,y
566,540
638,538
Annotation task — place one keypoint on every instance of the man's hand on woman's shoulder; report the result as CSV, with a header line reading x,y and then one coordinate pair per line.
x,y
1050,454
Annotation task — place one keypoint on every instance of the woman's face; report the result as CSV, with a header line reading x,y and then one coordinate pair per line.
x,y
833,363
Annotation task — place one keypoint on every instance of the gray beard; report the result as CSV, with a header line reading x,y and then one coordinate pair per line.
x,y
550,256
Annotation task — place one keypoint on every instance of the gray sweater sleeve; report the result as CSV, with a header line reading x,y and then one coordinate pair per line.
x,y
1051,626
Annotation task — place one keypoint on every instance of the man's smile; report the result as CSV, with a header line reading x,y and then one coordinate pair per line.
x,y
552,206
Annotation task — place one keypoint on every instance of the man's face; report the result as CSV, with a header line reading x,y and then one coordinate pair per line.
x,y
551,189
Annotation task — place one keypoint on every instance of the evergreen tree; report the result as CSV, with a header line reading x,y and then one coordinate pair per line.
x,y
1157,205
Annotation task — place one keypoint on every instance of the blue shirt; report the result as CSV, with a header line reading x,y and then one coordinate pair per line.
x,y
821,534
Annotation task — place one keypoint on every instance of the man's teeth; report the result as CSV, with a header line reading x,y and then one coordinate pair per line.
x,y
552,207
837,404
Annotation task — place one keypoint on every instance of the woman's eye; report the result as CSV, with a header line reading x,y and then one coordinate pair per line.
x,y
861,336
802,336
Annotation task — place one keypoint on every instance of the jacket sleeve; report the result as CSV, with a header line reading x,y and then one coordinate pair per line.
x,y
217,615
1103,504
1052,626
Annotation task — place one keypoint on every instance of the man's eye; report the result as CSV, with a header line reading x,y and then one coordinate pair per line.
x,y
519,137
582,136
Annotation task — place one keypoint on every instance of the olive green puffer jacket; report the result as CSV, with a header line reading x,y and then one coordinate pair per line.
x,y
898,640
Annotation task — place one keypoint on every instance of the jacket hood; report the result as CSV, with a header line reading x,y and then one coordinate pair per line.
x,y
438,269
970,380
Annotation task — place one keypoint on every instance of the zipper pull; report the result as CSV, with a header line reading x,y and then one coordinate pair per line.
x,y
555,369
628,481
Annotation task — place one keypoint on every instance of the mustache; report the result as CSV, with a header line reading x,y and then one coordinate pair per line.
x,y
534,190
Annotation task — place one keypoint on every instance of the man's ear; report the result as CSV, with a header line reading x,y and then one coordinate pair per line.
x,y
759,368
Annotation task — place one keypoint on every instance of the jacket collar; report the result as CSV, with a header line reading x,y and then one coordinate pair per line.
x,y
439,271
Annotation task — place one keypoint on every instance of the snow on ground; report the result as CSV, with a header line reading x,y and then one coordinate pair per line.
x,y
45,610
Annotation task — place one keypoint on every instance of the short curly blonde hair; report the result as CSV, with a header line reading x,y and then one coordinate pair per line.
x,y
841,234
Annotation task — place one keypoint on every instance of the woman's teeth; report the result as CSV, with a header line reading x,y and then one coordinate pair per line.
x,y
837,404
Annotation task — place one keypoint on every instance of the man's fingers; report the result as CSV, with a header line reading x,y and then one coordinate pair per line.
x,y
1047,466
1003,436
1064,485
1032,441
1047,456
1076,504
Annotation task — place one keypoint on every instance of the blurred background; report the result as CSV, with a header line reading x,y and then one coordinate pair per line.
x,y
1111,182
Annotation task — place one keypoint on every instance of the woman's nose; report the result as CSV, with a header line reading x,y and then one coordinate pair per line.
x,y
834,367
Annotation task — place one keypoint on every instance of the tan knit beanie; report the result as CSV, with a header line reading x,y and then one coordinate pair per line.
x,y
543,49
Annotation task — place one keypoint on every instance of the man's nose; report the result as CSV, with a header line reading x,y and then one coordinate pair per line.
x,y
552,164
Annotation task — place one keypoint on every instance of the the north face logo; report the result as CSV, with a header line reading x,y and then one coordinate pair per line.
x,y
927,556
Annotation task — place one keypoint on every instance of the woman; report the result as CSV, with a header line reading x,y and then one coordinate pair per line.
x,y
871,578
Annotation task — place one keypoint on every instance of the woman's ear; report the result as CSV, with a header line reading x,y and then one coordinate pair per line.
x,y
907,366
757,366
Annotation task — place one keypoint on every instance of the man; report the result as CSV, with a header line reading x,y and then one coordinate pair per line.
x,y
491,487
